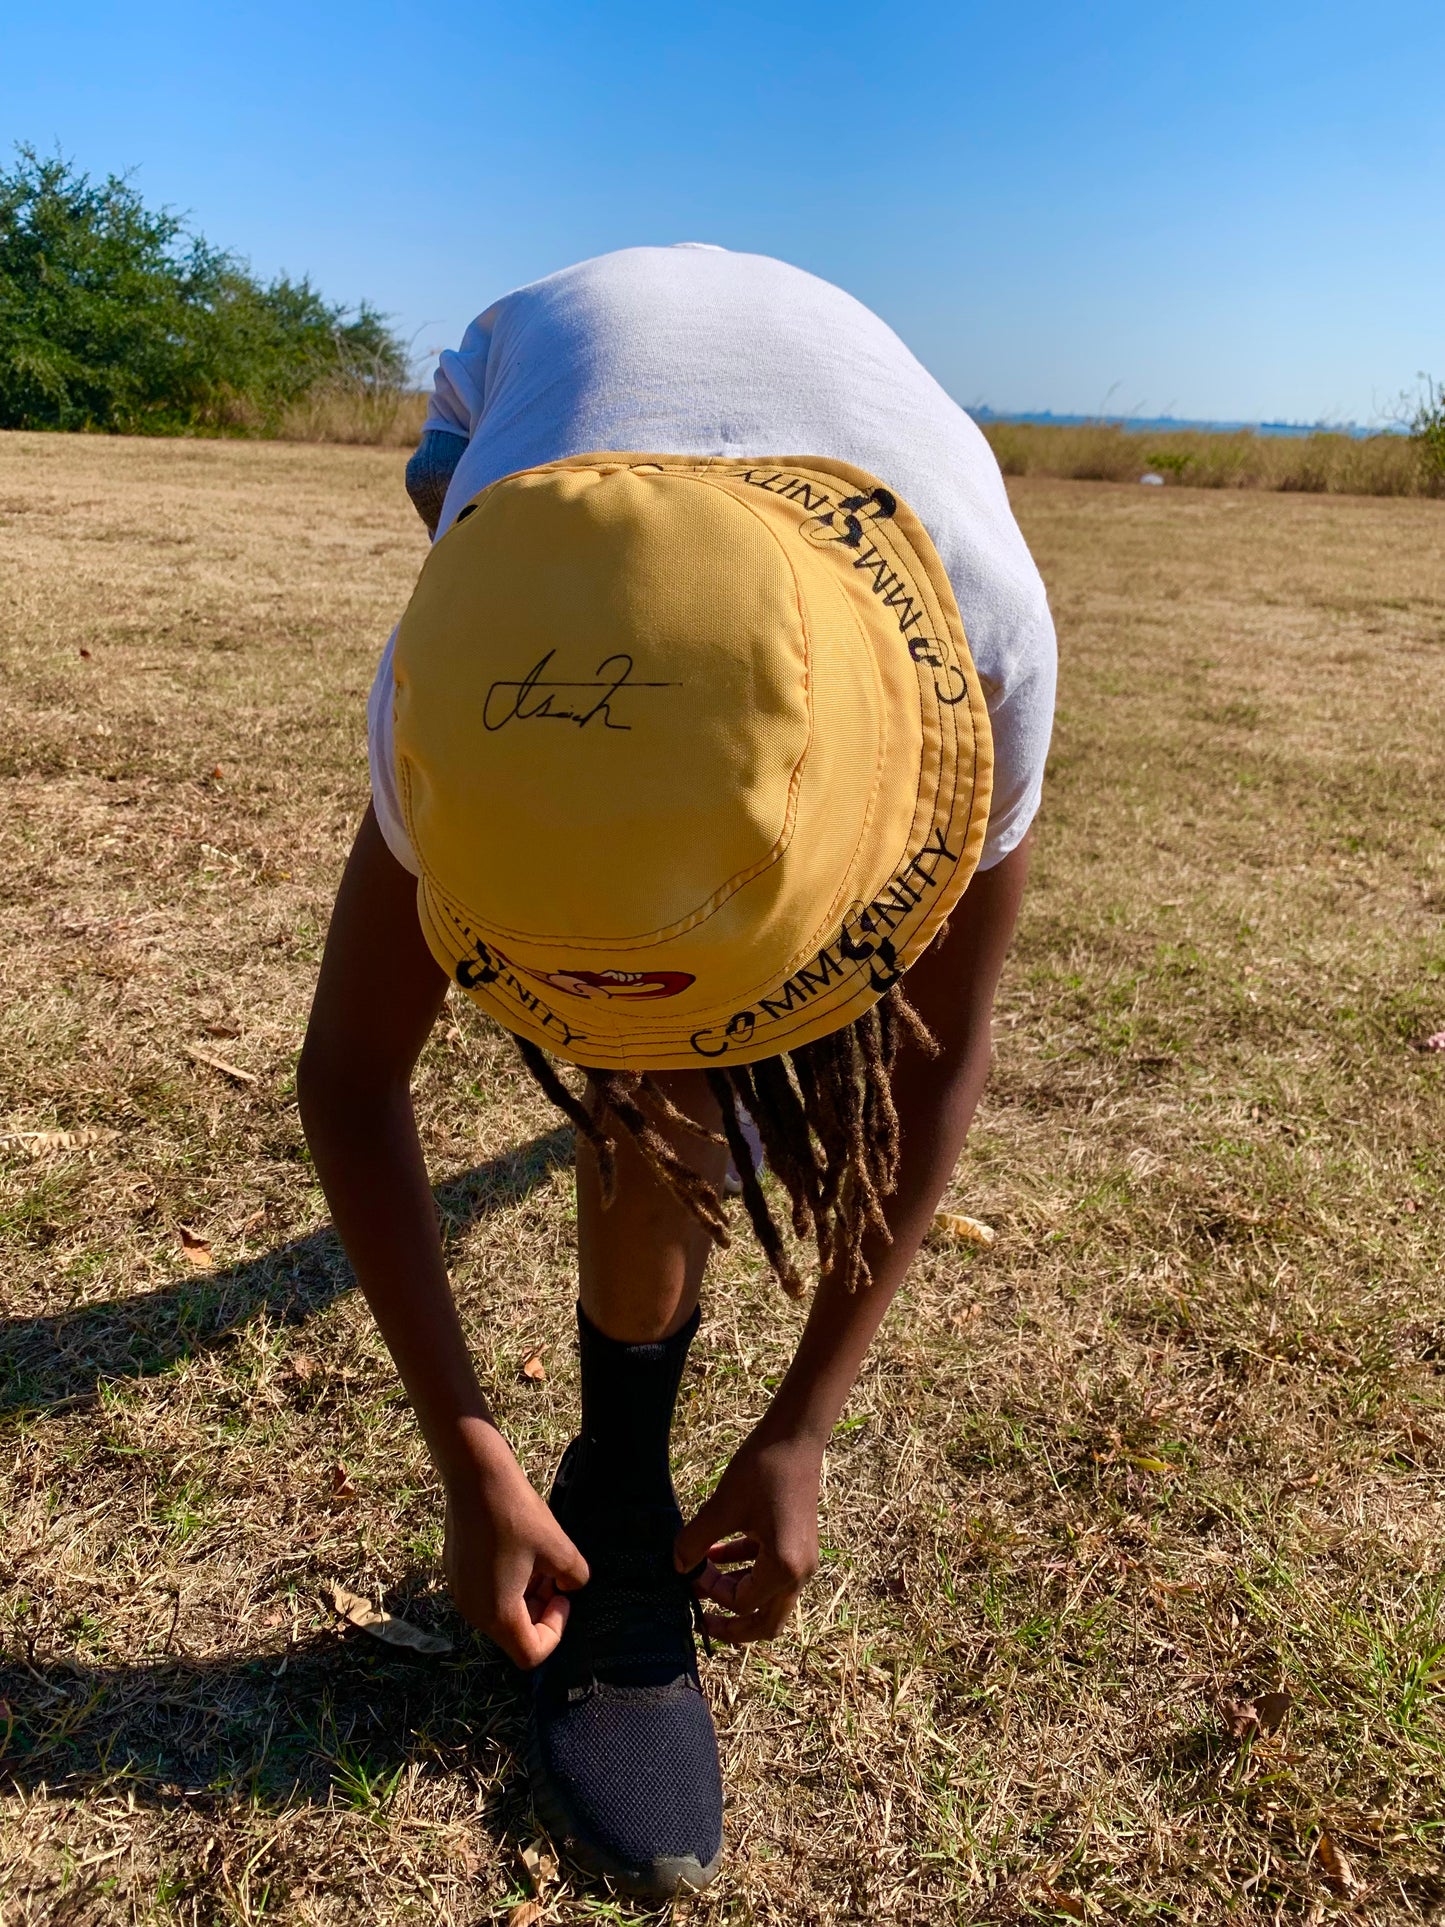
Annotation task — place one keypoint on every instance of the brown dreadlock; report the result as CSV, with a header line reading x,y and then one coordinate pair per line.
x,y
824,1113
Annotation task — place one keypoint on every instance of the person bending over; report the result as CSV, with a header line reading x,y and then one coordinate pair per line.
x,y
703,760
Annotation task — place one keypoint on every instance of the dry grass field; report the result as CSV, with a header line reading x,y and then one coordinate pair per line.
x,y
1133,1598
1324,463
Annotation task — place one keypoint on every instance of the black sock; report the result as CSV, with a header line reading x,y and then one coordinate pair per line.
x,y
628,1393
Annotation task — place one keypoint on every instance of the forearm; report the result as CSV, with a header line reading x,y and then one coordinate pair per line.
x,y
370,1163
952,988
935,1106
378,996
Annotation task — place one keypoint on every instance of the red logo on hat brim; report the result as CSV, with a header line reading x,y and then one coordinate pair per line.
x,y
631,985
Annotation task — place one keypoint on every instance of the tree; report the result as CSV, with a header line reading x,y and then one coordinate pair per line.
x,y
115,316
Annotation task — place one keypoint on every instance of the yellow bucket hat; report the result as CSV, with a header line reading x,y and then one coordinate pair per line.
x,y
692,753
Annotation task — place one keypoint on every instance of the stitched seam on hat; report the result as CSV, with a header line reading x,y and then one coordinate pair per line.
x,y
916,566
980,729
832,918
832,921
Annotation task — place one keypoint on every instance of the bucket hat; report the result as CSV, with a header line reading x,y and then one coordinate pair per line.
x,y
691,752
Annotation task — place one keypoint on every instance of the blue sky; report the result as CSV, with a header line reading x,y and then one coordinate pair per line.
x,y
1224,211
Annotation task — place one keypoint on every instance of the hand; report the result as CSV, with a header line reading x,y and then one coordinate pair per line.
x,y
763,1516
508,1563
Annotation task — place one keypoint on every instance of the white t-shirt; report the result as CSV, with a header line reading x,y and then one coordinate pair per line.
x,y
694,350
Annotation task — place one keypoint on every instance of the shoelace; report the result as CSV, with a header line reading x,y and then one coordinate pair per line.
x,y
690,1579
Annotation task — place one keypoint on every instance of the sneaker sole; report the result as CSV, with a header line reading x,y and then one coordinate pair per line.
x,y
666,1878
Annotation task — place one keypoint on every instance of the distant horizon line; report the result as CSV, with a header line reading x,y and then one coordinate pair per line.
x,y
1163,424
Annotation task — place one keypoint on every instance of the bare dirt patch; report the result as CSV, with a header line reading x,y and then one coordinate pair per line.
x,y
1131,1605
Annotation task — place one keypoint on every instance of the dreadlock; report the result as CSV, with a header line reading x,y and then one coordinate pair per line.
x,y
826,1118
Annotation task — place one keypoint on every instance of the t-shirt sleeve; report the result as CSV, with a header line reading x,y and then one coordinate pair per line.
x,y
385,797
1017,658
459,386
1021,719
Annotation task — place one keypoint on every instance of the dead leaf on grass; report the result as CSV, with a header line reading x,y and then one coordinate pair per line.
x,y
467,1858
1244,1717
385,1626
540,1868
525,1913
342,1486
964,1230
85,654
533,1368
1335,1865
1063,1903
1272,1709
35,1144
302,1367
196,1248
1239,1717
219,1064
221,1030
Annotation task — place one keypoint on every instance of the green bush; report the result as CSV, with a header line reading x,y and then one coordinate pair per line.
x,y
1177,465
115,316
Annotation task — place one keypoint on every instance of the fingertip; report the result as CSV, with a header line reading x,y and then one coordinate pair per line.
x,y
720,1587
565,1561
553,1618
570,1571
689,1548
741,1629
724,1629
541,1643
520,1652
527,1641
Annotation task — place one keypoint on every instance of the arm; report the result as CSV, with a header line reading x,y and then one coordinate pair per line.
x,y
376,1001
765,1507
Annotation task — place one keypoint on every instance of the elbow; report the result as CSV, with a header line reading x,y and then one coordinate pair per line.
x,y
340,1090
316,1088
326,1087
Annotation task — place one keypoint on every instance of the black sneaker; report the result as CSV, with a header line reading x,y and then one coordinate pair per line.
x,y
621,1746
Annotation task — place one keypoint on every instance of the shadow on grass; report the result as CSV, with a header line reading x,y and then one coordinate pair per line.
x,y
334,1718
62,1360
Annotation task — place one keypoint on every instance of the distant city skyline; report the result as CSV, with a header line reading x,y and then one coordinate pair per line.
x,y
1227,213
